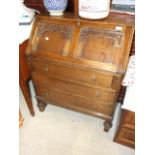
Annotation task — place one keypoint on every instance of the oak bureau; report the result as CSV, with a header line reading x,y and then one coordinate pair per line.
x,y
79,64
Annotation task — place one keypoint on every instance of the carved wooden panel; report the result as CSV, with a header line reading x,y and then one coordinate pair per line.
x,y
99,44
51,37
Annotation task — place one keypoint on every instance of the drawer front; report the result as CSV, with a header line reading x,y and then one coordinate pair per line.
x,y
72,73
128,118
126,136
74,102
74,88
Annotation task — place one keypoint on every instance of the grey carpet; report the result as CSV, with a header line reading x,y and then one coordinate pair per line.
x,y
58,131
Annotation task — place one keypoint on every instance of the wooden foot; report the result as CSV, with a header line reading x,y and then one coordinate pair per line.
x,y
42,106
32,113
107,125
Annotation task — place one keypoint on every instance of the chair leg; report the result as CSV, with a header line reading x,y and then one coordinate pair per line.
x,y
26,93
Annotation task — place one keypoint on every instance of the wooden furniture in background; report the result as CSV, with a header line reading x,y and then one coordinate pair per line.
x,y
24,76
126,131
79,64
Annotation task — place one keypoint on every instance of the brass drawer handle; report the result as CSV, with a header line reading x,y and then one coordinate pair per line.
x,y
46,94
93,78
98,94
46,69
44,82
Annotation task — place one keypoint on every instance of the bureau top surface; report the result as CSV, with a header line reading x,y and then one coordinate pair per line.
x,y
99,44
115,18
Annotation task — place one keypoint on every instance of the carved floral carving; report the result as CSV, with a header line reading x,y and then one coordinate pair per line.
x,y
116,36
65,30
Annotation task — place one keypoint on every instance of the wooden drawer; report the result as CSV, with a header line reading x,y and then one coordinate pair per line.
x,y
74,74
71,88
126,137
128,119
126,131
74,102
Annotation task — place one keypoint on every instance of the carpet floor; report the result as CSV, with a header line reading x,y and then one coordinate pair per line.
x,y
58,131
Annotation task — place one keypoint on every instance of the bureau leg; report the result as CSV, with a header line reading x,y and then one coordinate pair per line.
x,y
41,105
107,125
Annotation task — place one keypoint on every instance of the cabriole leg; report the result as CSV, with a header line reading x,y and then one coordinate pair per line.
x,y
41,104
107,125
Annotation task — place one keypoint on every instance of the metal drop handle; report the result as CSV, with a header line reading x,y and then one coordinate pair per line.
x,y
46,94
98,94
93,78
44,82
46,69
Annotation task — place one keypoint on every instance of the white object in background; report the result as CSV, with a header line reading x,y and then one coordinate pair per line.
x,y
130,72
124,2
26,15
24,32
94,9
130,99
